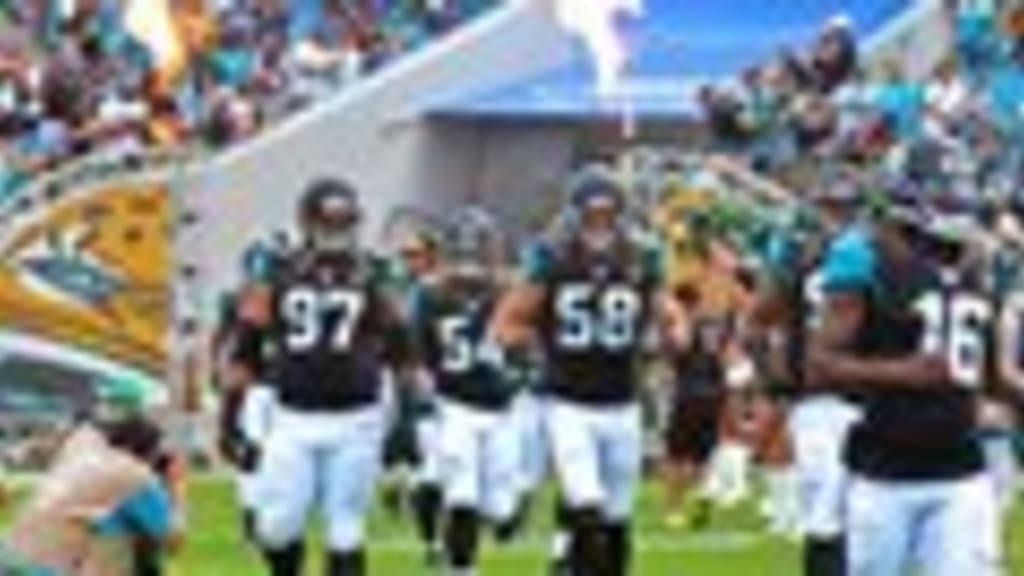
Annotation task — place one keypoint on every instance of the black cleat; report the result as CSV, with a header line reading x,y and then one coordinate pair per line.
x,y
433,558
560,567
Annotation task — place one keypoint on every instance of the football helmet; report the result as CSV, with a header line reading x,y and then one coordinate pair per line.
x,y
473,246
597,208
330,215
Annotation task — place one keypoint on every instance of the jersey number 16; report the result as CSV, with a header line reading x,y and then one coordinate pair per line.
x,y
955,326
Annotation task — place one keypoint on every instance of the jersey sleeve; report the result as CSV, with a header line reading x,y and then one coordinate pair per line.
x,y
536,263
247,346
655,263
148,512
399,343
417,308
850,263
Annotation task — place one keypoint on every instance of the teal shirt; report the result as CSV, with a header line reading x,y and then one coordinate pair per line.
x,y
904,104
149,512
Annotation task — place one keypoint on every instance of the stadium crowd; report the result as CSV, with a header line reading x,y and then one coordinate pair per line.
x,y
92,75
823,105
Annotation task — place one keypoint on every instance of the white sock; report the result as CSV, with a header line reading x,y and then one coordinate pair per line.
x,y
735,468
559,545
782,492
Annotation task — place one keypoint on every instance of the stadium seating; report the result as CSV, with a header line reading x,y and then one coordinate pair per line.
x,y
80,77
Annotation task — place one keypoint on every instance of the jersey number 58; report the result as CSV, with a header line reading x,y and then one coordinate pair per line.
x,y
590,317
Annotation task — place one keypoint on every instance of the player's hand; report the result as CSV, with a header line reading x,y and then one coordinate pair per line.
x,y
930,370
248,457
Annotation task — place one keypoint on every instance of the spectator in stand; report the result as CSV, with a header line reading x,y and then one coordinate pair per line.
x,y
91,83
726,117
834,57
901,100
976,30
814,123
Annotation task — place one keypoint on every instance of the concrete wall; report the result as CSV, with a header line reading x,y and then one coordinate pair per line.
x,y
919,39
371,135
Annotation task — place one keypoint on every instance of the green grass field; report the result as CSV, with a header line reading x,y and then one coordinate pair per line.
x,y
733,545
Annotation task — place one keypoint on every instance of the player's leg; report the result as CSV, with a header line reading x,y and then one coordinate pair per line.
x,y
727,482
677,469
775,452
461,460
254,424
879,531
819,428
533,449
561,536
574,443
1001,465
287,493
961,534
621,463
351,467
502,483
400,457
427,497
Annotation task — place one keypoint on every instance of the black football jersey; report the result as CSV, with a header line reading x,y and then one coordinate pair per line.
x,y
927,433
451,327
332,332
700,370
595,313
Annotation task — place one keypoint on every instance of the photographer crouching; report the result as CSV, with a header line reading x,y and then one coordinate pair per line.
x,y
110,503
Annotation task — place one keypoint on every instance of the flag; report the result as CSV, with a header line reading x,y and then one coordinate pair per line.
x,y
594,22
152,24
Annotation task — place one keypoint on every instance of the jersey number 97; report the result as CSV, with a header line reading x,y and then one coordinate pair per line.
x,y
321,318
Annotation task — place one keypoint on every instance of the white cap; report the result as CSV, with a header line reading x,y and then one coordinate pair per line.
x,y
840,21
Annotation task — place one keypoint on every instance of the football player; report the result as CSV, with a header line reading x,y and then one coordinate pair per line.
x,y
479,441
413,438
587,296
697,401
248,400
905,329
329,332
817,420
820,418
1000,415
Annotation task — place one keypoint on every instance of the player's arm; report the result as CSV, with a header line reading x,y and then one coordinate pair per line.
x,y
673,320
400,343
240,369
513,324
416,372
671,316
1011,339
514,318
830,359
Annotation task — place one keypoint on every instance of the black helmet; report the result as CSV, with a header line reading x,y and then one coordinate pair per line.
x,y
329,214
596,192
473,243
